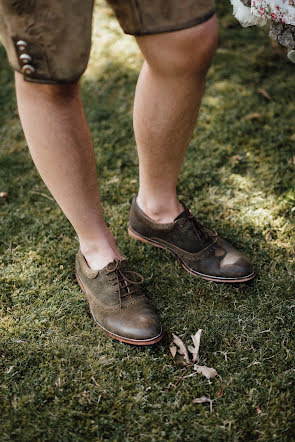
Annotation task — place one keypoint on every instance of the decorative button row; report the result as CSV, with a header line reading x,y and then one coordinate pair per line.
x,y
25,58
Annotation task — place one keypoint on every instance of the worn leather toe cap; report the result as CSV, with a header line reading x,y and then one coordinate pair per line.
x,y
222,261
138,322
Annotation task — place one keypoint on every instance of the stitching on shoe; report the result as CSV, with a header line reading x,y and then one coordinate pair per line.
x,y
220,277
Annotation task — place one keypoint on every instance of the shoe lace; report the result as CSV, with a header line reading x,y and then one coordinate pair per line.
x,y
202,232
125,286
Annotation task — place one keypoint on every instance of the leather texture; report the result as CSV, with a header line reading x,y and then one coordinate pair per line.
x,y
118,306
200,249
58,33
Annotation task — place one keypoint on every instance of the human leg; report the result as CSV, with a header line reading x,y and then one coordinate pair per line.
x,y
54,123
60,144
167,101
49,42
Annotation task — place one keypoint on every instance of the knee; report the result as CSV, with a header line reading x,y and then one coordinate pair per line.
x,y
184,52
52,92
60,92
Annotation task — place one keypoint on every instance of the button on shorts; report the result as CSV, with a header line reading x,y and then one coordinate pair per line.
x,y
49,40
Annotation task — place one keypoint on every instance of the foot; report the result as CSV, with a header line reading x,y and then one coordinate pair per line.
x,y
200,250
117,304
98,252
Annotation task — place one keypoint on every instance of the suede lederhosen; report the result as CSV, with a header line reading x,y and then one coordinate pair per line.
x,y
49,41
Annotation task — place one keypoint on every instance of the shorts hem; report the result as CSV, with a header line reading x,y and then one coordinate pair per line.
x,y
49,80
190,24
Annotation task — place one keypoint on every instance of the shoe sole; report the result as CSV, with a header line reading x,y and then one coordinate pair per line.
x,y
146,240
145,342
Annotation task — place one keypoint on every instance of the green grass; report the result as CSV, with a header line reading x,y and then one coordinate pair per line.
x,y
61,378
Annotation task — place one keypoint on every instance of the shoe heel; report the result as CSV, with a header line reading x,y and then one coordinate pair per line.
x,y
140,238
134,235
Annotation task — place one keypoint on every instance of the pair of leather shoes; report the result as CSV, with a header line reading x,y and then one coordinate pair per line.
x,y
116,302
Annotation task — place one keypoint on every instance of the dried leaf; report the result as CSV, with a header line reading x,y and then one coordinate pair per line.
x,y
253,116
4,196
173,350
182,348
264,93
208,372
180,360
14,402
258,410
220,393
201,400
236,158
194,350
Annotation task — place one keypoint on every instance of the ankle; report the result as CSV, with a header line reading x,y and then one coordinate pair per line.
x,y
160,211
100,253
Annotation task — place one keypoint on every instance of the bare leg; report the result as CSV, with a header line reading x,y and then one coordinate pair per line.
x,y
167,101
60,144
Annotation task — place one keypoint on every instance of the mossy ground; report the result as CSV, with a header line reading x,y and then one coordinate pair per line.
x,y
61,378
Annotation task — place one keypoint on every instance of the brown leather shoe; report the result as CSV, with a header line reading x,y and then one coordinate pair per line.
x,y
116,303
200,250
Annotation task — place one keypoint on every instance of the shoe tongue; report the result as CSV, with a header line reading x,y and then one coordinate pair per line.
x,y
184,214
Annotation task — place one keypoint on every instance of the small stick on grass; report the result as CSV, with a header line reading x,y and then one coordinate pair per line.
x,y
181,377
